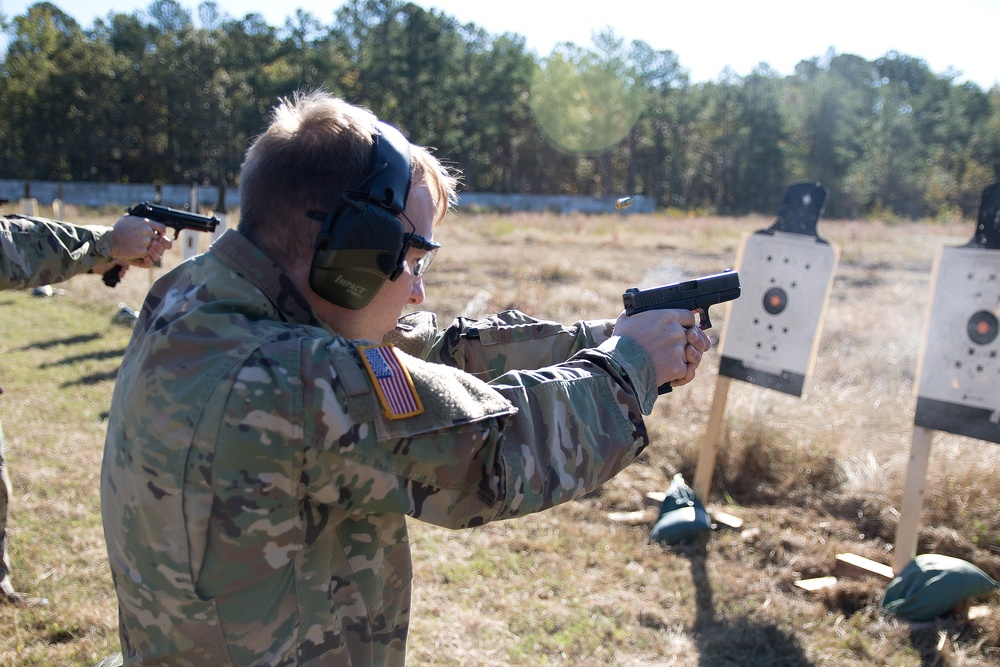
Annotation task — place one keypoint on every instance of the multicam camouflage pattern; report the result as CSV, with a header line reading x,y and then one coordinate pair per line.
x,y
254,497
37,251
4,503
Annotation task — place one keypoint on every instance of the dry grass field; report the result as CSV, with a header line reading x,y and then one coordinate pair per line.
x,y
811,477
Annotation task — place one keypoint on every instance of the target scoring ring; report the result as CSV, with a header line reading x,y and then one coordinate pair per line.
x,y
775,300
983,327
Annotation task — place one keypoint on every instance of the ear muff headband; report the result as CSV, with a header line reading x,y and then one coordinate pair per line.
x,y
389,175
361,244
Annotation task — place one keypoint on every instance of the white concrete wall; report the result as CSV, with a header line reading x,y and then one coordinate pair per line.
x,y
113,194
178,196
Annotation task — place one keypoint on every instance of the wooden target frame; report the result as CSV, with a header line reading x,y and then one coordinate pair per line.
x,y
772,331
958,378
221,213
189,238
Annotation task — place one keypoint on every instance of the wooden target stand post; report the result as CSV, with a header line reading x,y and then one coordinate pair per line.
x,y
958,381
190,240
772,331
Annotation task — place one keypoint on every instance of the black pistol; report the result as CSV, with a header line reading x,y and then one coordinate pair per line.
x,y
175,218
694,295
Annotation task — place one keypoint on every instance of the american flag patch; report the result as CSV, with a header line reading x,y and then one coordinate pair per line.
x,y
395,388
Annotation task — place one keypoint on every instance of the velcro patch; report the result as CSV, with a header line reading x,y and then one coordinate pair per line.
x,y
392,382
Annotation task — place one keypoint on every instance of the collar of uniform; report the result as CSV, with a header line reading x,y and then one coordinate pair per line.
x,y
250,262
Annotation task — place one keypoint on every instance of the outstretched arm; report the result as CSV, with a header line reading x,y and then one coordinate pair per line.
x,y
39,251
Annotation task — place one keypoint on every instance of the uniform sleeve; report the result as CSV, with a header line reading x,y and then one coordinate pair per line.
x,y
37,251
547,436
491,346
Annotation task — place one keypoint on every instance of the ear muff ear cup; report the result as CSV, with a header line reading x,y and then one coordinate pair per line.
x,y
361,244
356,253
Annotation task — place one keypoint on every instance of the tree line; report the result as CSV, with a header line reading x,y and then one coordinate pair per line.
x,y
151,97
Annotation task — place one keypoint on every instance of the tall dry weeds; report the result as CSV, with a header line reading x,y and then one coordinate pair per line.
x,y
811,477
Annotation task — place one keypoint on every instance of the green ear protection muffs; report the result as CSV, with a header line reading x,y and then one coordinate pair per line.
x,y
362,243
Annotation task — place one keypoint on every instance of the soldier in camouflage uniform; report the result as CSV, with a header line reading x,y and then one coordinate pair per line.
x,y
36,251
266,445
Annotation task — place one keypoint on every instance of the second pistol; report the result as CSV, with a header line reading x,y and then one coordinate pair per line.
x,y
175,218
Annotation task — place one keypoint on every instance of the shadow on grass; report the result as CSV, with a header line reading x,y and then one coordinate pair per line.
x,y
935,641
92,378
925,642
71,340
93,356
736,642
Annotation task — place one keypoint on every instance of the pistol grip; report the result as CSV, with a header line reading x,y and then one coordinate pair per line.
x,y
112,276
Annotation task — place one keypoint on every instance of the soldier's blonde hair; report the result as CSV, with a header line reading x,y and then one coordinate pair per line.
x,y
317,147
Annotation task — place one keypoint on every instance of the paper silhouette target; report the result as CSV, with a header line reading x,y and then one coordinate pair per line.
x,y
958,384
786,273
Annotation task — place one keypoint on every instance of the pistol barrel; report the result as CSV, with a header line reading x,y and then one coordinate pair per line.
x,y
175,217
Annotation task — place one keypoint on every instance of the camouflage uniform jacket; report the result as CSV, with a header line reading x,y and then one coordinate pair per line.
x,y
33,252
37,251
254,493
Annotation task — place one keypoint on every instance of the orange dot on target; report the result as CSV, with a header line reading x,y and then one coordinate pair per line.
x,y
982,327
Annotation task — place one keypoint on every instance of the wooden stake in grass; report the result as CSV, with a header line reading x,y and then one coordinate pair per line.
x,y
710,443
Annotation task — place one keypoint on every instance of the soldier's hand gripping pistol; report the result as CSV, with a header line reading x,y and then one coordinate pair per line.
x,y
175,218
694,295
